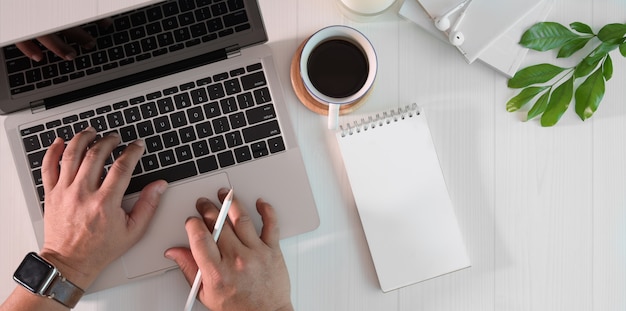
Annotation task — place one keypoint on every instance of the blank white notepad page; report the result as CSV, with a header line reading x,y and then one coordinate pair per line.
x,y
402,200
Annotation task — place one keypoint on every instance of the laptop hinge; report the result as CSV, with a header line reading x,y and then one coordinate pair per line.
x,y
233,51
37,106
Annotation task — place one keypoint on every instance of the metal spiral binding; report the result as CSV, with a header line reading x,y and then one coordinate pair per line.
x,y
373,122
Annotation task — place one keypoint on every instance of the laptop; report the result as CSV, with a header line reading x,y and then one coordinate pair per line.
x,y
195,81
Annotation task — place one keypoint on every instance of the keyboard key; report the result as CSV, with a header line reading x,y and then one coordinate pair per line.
x,y
149,162
261,131
243,154
70,119
154,144
186,5
31,143
228,105
182,34
187,134
16,80
186,19
253,80
104,42
12,51
198,30
170,139
60,80
153,95
65,132
182,101
37,177
170,174
145,129
162,124
237,120
66,67
207,164
148,110
195,115
53,124
200,148
165,39
98,123
199,96
120,105
47,138
232,86
214,25
19,64
170,23
236,18
216,91
122,23
217,143
50,71
259,149
178,119
32,130
137,100
26,88
262,113
254,67
115,119
204,129
99,58
86,114
80,126
220,125
170,91
233,139
212,110
170,8
242,27
115,53
36,159
165,105
137,33
183,153
262,96
226,158
132,115
234,5
167,158
219,9
32,76
148,44
138,18
237,72
128,133
104,109
154,13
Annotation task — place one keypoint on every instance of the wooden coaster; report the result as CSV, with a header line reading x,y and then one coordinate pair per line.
x,y
307,99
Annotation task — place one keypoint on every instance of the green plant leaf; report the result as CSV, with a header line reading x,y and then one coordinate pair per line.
x,y
582,28
523,97
612,32
586,67
539,107
607,68
589,95
546,36
622,49
534,74
600,51
573,46
558,103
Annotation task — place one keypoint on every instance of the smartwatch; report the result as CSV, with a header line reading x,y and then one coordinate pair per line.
x,y
40,277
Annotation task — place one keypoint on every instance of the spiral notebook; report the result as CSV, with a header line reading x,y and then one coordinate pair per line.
x,y
401,197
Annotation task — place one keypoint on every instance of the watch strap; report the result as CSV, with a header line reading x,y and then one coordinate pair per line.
x,y
64,291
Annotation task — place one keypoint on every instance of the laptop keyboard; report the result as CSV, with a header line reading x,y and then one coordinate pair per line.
x,y
147,33
189,129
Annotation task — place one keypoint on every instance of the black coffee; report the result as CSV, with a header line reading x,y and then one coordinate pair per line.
x,y
337,68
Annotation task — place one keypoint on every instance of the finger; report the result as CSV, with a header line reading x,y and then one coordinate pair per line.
x,y
270,233
74,154
93,164
55,44
205,251
31,50
144,208
228,240
241,221
50,164
80,36
184,259
118,178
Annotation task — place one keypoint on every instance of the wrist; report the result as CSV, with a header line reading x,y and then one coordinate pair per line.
x,y
68,269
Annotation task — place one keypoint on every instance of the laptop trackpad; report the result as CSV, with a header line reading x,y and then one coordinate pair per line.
x,y
168,225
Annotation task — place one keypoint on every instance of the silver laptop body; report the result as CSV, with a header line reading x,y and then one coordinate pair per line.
x,y
207,124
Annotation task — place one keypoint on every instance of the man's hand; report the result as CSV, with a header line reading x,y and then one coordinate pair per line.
x,y
242,271
85,227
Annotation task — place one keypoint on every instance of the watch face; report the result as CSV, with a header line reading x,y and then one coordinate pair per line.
x,y
33,272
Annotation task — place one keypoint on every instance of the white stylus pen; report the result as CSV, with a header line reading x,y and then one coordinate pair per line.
x,y
217,229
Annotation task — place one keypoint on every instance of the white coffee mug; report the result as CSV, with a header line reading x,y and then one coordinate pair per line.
x,y
338,66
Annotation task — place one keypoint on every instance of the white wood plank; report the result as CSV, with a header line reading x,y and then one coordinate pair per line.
x,y
609,177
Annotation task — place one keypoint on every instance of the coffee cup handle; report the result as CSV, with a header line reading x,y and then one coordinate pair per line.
x,y
333,116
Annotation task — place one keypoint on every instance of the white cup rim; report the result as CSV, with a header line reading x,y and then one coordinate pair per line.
x,y
333,32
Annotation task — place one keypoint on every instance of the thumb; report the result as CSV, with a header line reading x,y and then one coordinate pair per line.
x,y
145,207
184,259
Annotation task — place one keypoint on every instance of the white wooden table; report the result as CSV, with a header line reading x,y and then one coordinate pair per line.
x,y
542,210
